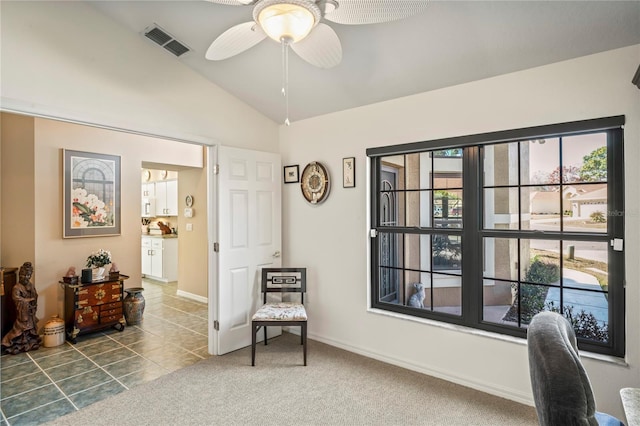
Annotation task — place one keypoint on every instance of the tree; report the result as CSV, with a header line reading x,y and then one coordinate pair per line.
x,y
569,174
594,165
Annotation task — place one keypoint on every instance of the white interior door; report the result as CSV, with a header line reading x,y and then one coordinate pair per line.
x,y
249,229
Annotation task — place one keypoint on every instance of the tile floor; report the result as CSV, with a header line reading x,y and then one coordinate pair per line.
x,y
41,385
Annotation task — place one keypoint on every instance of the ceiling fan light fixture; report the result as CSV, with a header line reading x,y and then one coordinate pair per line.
x,y
330,6
290,20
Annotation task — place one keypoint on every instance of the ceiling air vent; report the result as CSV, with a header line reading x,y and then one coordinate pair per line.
x,y
164,39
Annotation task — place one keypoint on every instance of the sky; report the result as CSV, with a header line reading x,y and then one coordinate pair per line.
x,y
545,157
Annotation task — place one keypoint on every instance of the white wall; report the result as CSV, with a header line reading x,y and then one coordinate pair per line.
x,y
331,239
65,59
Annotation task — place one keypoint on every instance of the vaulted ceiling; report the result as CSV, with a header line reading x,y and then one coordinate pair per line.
x,y
451,42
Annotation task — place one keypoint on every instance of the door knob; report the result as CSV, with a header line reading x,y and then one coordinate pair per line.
x,y
277,253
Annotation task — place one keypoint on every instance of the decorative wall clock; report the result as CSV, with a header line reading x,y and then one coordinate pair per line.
x,y
315,183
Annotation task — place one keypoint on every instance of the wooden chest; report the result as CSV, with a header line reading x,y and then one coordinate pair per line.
x,y
90,307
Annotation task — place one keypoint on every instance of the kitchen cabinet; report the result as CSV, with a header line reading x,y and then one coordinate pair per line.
x,y
148,206
148,189
94,306
160,258
166,195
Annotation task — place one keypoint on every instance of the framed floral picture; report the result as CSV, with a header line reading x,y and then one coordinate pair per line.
x,y
91,194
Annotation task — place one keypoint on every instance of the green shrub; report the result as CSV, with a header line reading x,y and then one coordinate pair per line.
x,y
585,324
542,272
597,217
531,298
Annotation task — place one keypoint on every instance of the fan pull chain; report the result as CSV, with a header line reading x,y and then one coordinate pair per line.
x,y
285,77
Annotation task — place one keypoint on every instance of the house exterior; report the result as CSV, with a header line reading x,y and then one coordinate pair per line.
x,y
586,200
41,78
579,200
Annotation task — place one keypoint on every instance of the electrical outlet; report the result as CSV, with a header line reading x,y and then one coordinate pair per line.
x,y
189,226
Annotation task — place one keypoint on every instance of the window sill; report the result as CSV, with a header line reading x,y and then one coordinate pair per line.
x,y
488,334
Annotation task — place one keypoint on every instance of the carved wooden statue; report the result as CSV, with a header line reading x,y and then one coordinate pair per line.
x,y
23,336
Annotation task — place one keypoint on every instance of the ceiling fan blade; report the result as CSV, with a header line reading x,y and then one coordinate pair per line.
x,y
232,2
355,12
235,40
321,47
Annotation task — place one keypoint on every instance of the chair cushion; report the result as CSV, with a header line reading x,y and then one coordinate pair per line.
x,y
281,311
605,419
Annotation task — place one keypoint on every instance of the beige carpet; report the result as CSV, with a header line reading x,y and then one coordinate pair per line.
x,y
336,388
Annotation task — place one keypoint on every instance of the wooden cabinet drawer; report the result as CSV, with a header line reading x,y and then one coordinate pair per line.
x,y
86,317
109,312
113,305
98,294
110,318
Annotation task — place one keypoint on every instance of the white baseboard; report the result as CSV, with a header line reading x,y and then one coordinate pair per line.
x,y
502,392
192,296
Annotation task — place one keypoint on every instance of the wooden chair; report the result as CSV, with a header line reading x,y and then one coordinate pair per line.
x,y
281,280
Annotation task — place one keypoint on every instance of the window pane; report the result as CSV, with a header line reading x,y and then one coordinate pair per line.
x,y
392,173
448,153
586,208
540,261
540,161
418,171
390,250
500,164
543,203
500,257
447,253
497,298
390,285
586,262
584,158
447,294
419,292
500,208
447,171
589,323
585,285
447,209
419,209
417,252
529,299
389,215
587,310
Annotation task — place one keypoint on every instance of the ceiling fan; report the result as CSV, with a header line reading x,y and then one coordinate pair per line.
x,y
297,23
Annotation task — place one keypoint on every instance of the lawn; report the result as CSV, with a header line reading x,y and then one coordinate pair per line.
x,y
578,264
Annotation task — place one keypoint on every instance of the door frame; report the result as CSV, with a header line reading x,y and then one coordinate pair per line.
x,y
212,239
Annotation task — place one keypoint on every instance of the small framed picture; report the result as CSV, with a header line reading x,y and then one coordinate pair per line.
x,y
349,172
291,174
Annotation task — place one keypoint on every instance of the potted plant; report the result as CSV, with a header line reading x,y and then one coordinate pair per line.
x,y
97,260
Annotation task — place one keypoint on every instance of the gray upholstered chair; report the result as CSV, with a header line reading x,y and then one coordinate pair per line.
x,y
561,388
277,314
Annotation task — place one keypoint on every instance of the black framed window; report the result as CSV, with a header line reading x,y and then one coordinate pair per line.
x,y
487,230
